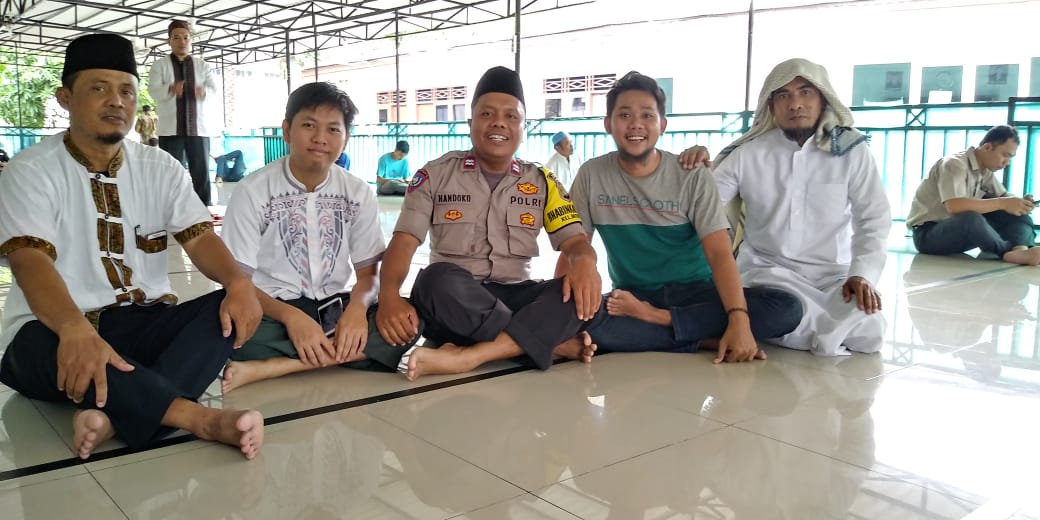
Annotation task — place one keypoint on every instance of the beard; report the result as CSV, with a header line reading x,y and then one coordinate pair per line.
x,y
641,158
799,135
112,138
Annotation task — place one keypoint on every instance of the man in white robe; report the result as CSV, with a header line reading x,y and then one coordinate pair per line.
x,y
815,217
564,162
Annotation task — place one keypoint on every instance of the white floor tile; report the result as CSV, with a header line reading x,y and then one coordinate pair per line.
x,y
77,497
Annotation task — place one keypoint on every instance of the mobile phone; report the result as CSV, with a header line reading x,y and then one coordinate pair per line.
x,y
328,315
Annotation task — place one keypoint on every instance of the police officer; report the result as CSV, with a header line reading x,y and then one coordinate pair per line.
x,y
484,209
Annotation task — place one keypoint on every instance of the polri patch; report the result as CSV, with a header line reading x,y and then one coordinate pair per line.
x,y
417,180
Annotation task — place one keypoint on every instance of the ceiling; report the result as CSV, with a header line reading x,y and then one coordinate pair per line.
x,y
245,31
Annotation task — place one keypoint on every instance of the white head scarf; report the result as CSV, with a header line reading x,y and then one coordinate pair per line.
x,y
834,132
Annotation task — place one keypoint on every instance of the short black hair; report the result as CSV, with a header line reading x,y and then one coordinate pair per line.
x,y
314,95
402,146
69,80
635,81
146,108
999,135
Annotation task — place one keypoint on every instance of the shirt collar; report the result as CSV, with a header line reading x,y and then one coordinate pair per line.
x,y
113,166
973,162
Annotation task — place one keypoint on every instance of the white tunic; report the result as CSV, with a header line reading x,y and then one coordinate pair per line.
x,y
46,194
813,220
161,77
298,243
565,168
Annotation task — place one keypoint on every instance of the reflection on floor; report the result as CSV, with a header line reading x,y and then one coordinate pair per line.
x,y
942,424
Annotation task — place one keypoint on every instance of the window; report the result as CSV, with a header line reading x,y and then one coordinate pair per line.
x,y
442,113
384,115
552,108
460,112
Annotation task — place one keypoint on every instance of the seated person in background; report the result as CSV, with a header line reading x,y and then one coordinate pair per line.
x,y
484,209
343,161
392,174
668,248
91,318
231,167
4,159
817,216
961,205
297,225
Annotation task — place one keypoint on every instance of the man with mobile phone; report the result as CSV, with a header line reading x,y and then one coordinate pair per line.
x,y
301,226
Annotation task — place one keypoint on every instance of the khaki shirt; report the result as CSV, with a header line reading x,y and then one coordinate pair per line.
x,y
146,126
493,235
956,176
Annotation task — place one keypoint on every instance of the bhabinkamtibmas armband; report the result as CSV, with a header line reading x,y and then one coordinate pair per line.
x,y
559,210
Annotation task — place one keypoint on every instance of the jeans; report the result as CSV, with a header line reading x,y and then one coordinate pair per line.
x,y
994,232
697,313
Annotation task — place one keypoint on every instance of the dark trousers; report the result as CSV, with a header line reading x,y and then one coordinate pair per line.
x,y
697,313
230,166
194,149
994,232
461,310
176,351
272,340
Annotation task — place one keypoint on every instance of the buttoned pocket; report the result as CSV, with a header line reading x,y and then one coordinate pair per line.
x,y
452,230
524,224
152,242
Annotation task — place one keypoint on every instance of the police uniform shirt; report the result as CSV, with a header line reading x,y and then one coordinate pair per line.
x,y
492,234
106,232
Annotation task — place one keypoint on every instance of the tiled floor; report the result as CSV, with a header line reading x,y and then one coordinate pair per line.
x,y
943,423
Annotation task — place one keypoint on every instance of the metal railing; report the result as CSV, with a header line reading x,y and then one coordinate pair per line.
x,y
906,140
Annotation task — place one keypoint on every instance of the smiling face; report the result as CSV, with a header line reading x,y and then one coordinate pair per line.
x,y
635,124
496,129
101,105
316,137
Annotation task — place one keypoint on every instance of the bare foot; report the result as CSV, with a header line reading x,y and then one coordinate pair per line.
x,y
242,428
579,347
448,359
624,303
239,373
90,428
1029,256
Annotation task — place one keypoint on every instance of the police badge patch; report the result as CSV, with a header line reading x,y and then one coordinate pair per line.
x,y
417,180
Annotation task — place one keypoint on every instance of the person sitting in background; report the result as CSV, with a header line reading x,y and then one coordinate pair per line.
x,y
961,205
392,174
343,161
231,167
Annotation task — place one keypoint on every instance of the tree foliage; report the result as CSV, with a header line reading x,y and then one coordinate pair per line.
x,y
27,85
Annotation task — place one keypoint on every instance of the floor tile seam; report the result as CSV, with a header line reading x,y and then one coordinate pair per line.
x,y
188,439
52,426
958,279
829,372
109,495
277,419
451,453
879,471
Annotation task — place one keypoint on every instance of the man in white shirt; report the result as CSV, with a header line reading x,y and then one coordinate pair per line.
x,y
84,222
296,226
564,163
180,85
817,217
961,205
